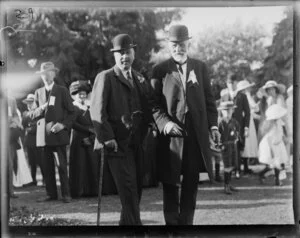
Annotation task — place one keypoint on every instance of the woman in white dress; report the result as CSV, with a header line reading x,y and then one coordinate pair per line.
x,y
251,144
272,150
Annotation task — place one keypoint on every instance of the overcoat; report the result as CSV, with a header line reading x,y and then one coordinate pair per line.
x,y
60,109
169,105
110,101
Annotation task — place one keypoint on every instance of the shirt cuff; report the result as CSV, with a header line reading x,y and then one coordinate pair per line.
x,y
214,128
168,127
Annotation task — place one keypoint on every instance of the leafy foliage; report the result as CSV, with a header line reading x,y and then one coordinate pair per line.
x,y
79,42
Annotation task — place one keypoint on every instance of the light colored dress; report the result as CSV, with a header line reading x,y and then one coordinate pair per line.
x,y
23,175
272,149
251,143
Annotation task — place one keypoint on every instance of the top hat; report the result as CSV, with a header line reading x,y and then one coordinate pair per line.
x,y
244,84
47,66
274,84
226,105
178,33
78,86
122,42
29,99
275,111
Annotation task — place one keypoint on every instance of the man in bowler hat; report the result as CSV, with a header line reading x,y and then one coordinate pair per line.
x,y
54,104
185,113
119,110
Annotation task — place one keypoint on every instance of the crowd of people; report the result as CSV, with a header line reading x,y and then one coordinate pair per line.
x,y
191,128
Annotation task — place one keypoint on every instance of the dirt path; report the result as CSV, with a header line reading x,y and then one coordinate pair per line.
x,y
253,204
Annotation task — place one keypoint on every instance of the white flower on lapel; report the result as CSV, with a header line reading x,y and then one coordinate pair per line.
x,y
141,78
192,78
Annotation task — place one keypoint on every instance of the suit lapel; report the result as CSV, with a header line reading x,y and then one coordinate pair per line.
x,y
121,77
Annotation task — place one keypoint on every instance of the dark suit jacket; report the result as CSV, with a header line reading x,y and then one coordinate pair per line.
x,y
29,126
169,101
110,100
62,111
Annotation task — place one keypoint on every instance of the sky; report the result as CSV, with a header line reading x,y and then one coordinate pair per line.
x,y
199,18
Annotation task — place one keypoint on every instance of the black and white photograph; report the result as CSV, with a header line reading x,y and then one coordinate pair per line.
x,y
157,114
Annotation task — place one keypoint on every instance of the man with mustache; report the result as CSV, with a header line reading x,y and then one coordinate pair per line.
x,y
185,113
119,111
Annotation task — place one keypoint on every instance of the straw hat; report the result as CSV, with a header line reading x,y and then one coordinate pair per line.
x,y
275,111
29,99
244,84
226,105
47,66
274,84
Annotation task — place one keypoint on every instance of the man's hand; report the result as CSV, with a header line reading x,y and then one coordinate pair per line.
x,y
112,144
172,129
215,135
57,127
44,106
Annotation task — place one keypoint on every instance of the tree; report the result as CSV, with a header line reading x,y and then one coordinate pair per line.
x,y
278,65
231,48
79,41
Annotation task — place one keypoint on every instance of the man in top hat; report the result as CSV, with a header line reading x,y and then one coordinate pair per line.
x,y
54,104
119,110
34,153
185,113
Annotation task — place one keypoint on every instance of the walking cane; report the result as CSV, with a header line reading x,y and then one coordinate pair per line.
x,y
100,184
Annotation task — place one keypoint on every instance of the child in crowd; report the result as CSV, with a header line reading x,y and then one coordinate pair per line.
x,y
229,129
272,150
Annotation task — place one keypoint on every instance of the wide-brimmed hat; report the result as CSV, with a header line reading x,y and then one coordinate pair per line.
x,y
80,85
275,111
178,33
244,84
274,84
226,105
122,42
29,99
290,89
47,66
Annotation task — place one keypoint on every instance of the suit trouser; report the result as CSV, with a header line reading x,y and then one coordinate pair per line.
x,y
127,174
34,156
180,200
49,170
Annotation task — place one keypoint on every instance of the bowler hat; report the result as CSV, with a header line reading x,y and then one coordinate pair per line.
x,y
47,66
122,42
178,33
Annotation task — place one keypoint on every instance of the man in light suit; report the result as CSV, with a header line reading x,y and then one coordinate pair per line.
x,y
185,113
119,111
54,103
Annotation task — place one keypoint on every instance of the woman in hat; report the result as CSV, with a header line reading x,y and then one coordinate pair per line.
x,y
275,93
251,144
229,129
34,153
272,151
83,161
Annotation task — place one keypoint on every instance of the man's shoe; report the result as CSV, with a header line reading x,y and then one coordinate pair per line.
x,y
47,199
66,199
13,196
233,189
227,189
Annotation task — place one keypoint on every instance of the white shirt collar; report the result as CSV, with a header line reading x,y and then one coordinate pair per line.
x,y
125,72
49,87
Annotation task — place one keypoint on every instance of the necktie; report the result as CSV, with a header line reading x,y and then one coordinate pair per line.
x,y
130,80
47,94
180,68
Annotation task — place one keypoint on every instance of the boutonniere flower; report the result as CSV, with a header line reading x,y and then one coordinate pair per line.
x,y
141,78
192,78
